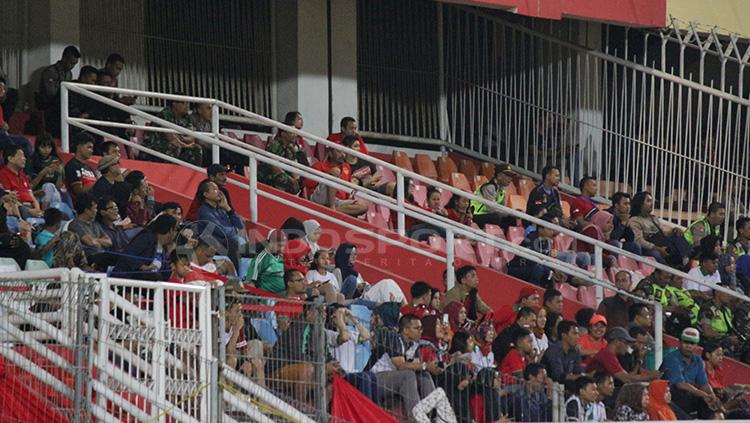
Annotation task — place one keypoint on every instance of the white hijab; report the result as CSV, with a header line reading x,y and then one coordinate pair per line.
x,y
310,227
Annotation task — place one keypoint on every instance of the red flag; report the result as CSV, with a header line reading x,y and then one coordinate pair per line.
x,y
353,406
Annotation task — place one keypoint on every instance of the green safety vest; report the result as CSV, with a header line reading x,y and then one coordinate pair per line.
x,y
478,209
664,293
722,320
707,229
739,249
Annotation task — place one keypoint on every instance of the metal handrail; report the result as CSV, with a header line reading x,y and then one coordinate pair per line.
x,y
401,208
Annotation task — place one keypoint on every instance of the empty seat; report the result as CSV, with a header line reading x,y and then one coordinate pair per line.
x,y
376,219
487,169
425,166
446,168
525,186
445,196
464,250
7,264
587,296
255,141
386,175
401,160
517,202
478,181
516,234
500,264
459,181
486,253
494,230
419,192
627,263
511,189
563,242
568,292
36,265
468,168
647,269
437,242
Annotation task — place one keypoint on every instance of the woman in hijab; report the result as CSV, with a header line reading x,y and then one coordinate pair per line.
x,y
601,226
482,356
352,282
728,272
457,316
632,403
297,254
659,397
312,234
434,341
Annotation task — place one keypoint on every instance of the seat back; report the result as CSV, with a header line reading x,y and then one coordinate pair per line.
x,y
478,181
459,181
468,168
401,160
525,186
425,166
437,242
419,192
464,250
446,167
517,202
486,253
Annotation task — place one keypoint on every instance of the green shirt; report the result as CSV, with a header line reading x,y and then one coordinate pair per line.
x,y
266,271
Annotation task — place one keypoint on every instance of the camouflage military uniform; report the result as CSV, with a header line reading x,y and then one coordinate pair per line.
x,y
281,180
158,141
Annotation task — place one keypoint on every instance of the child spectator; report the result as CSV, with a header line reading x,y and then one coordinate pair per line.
x,y
47,239
320,278
458,209
266,270
515,361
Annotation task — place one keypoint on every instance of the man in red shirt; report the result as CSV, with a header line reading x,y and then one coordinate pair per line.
x,y
334,165
515,361
618,341
421,295
13,179
79,177
583,207
349,127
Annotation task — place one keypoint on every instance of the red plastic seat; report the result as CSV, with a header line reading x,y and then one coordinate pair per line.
x,y
587,296
517,202
468,168
459,181
568,291
486,253
478,181
376,219
511,189
401,160
516,234
445,167
386,175
565,208
563,242
647,269
464,250
494,230
499,264
437,242
419,192
525,186
425,166
627,263
487,169
255,141
445,196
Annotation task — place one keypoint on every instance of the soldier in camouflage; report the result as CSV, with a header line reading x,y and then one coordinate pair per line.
x,y
180,146
284,144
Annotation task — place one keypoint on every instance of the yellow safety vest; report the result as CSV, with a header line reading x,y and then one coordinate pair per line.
x,y
707,229
478,209
722,320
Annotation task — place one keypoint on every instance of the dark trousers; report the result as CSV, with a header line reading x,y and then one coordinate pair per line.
x,y
690,403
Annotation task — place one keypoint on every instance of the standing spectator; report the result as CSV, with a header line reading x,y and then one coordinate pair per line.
x,y
339,200
47,239
114,65
659,397
5,138
671,248
562,359
266,270
216,210
580,406
48,96
146,256
283,144
710,224
494,190
349,128
615,308
593,341
553,301
687,376
632,403
708,272
109,168
14,179
741,244
622,236
179,146
79,177
532,404
467,282
546,194
618,341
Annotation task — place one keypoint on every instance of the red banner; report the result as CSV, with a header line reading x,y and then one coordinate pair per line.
x,y
353,406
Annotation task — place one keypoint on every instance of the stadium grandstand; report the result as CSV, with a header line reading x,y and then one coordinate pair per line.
x,y
374,210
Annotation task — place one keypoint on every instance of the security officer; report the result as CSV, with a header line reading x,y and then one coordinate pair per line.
x,y
494,190
682,310
710,224
717,320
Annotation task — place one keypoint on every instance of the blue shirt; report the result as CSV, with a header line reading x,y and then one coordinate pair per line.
x,y
43,239
677,370
229,223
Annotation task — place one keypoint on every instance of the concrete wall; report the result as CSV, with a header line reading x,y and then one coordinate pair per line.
x,y
729,15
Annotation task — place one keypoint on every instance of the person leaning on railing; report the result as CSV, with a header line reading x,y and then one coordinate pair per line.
x,y
180,146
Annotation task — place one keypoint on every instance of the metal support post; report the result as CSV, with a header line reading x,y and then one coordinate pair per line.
x,y
319,358
400,190
450,276
599,272
215,129
658,334
64,130
253,176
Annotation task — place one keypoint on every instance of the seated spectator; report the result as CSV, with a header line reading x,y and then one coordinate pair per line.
x,y
339,200
515,361
659,397
14,179
582,318
580,406
297,254
296,287
283,144
363,173
217,174
550,329
176,145
349,128
708,272
562,359
457,317
496,191
266,270
716,317
553,302
466,285
684,369
583,207
348,332
111,148
731,396
436,298
295,119
320,278
482,357
540,339
79,177
216,210
93,238
141,201
5,138
599,229
105,112
456,382
618,341
506,314
111,225
525,319
421,295
615,308
639,315
605,386
200,119
47,178
635,359
670,248
352,282
532,404
422,231
48,96
741,244
109,168
458,209
710,224
46,240
592,342
632,403
728,273
396,367
622,236
661,286
202,260
312,234
145,257
69,253
436,336
547,196
80,106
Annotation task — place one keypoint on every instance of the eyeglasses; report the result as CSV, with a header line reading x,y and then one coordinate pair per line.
x,y
297,280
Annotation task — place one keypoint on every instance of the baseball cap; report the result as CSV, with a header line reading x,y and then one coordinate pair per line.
x,y
526,292
619,332
505,168
107,161
215,169
276,235
690,335
597,318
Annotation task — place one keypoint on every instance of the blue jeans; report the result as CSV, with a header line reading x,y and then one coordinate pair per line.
x,y
582,260
628,246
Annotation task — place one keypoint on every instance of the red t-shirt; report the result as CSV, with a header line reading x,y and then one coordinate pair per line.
x,y
452,215
325,167
513,362
339,136
586,342
419,310
295,251
19,183
604,361
715,378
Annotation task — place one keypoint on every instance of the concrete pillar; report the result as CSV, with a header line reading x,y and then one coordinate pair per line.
x,y
315,74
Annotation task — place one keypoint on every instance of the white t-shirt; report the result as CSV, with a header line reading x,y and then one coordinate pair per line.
x,y
540,345
696,272
329,277
480,360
